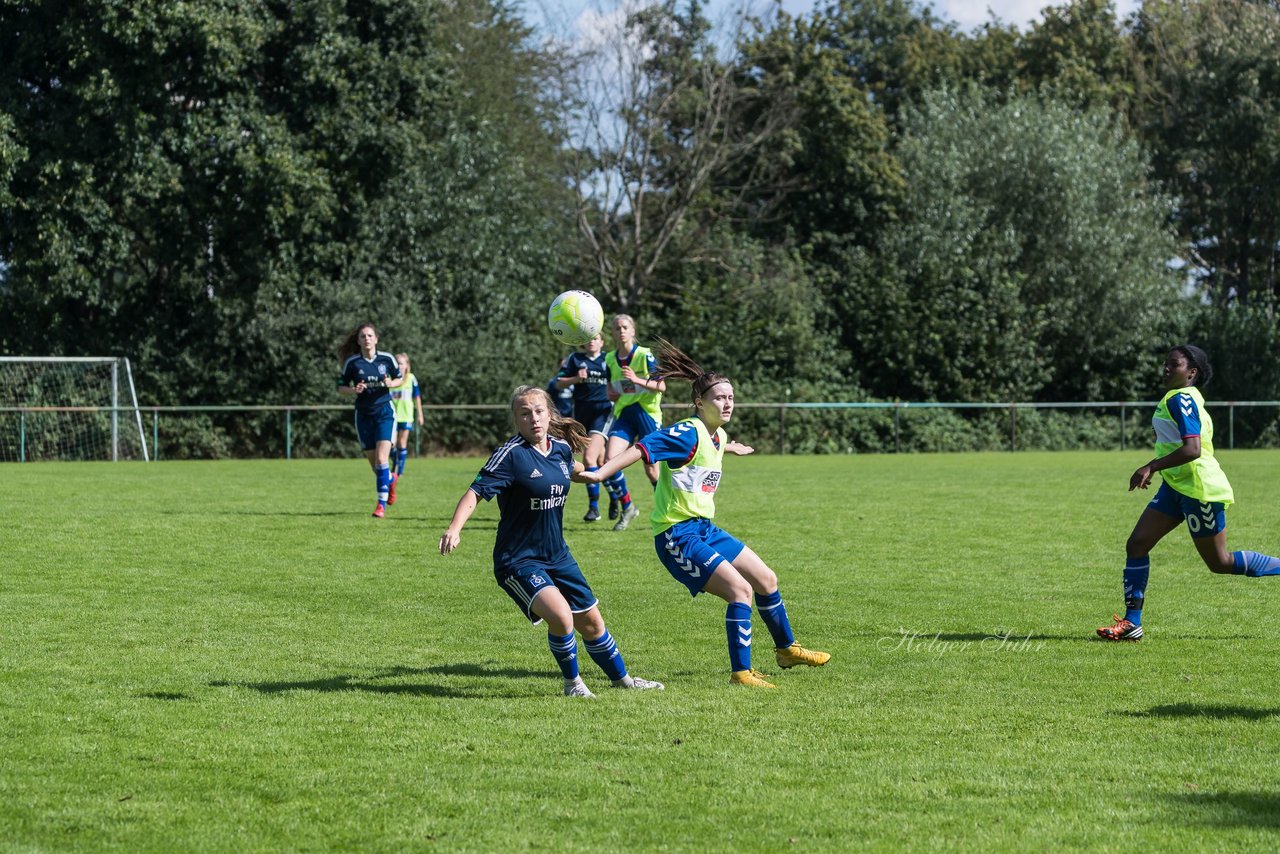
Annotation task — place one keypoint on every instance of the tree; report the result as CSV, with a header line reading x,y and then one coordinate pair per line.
x,y
1208,105
1078,53
1031,261
661,120
213,187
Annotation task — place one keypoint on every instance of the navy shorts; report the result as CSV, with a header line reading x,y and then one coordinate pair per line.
x,y
1204,518
691,550
375,427
404,426
595,419
632,424
525,581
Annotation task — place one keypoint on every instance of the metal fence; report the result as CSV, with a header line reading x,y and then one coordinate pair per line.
x,y
1130,418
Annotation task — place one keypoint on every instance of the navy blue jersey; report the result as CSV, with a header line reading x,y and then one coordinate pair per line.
x,y
374,374
596,388
531,490
672,445
561,397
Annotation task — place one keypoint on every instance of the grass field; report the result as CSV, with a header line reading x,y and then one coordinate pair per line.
x,y
234,656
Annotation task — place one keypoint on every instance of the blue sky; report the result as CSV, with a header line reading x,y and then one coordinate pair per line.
x,y
567,18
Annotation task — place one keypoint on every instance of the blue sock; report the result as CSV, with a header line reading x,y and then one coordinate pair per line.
x,y
383,475
617,486
401,455
737,625
1136,570
604,652
565,649
593,490
774,614
1256,565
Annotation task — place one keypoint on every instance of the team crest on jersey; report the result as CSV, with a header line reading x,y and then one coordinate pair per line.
x,y
382,369
712,481
564,468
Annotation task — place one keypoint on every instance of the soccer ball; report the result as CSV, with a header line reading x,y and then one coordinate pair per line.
x,y
575,317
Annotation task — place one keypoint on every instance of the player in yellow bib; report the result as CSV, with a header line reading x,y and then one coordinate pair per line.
x,y
636,388
1194,490
695,552
404,400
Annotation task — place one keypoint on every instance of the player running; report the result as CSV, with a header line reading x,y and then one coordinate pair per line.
x,y
699,555
587,374
636,391
531,562
404,400
369,373
1194,489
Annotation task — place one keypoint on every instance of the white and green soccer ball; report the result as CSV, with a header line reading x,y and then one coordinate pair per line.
x,y
575,317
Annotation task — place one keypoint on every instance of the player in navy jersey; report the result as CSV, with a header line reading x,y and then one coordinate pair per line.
x,y
1195,490
694,551
530,476
561,397
586,374
369,374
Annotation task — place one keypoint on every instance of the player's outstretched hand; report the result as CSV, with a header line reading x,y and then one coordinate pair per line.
x,y
584,476
449,541
739,448
1141,478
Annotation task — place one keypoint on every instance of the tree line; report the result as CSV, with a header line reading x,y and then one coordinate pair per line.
x,y
860,203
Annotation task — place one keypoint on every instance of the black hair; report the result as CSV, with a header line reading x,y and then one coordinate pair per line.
x,y
1197,359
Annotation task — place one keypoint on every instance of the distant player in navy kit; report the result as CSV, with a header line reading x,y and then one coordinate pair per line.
x,y
586,373
530,476
369,374
560,396
694,551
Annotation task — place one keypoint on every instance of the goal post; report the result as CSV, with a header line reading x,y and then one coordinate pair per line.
x,y
69,408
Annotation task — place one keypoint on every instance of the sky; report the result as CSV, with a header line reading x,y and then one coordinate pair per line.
x,y
570,19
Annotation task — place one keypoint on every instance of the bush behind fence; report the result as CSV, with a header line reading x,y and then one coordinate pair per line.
x,y
327,431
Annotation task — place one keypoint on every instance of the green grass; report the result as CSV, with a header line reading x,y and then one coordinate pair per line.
x,y
234,656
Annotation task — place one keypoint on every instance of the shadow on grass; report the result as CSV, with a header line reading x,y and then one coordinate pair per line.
x,y
1230,809
163,695
373,684
392,516
1199,710
1010,636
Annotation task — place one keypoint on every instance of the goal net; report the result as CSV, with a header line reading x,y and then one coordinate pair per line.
x,y
62,408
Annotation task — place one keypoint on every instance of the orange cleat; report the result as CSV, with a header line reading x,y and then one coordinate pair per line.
x,y
1120,630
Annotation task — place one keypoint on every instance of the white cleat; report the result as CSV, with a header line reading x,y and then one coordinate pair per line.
x,y
635,683
629,512
576,688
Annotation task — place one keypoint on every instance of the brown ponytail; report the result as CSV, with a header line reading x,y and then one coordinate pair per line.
x,y
674,363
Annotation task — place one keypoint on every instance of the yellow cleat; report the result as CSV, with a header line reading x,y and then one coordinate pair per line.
x,y
750,678
790,656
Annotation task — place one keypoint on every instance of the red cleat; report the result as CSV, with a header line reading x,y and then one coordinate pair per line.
x,y
391,490
379,511
1120,630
